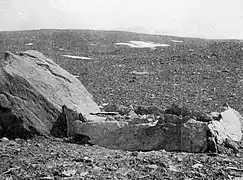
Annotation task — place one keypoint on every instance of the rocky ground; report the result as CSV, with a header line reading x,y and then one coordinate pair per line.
x,y
201,74
41,158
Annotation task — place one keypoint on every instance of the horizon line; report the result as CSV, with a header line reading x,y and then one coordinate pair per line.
x,y
123,30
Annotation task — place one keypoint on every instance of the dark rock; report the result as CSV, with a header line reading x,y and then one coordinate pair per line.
x,y
212,145
80,139
215,116
148,110
122,110
137,121
111,108
161,119
185,111
200,116
71,116
232,145
178,110
33,89
171,118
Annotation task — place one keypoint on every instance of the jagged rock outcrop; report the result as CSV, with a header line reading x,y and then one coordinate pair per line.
x,y
33,89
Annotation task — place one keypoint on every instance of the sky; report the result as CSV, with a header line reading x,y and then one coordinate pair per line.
x,y
220,19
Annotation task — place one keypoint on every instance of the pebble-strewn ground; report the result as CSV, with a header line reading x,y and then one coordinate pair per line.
x,y
54,159
201,74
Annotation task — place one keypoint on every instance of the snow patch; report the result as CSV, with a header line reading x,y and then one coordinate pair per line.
x,y
142,44
77,57
29,44
176,41
140,73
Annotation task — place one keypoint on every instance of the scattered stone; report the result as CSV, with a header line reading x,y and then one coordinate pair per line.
x,y
132,115
84,173
198,165
179,159
123,171
47,178
215,116
201,116
152,166
186,112
171,118
190,50
122,110
173,168
4,139
178,110
135,153
96,170
11,170
140,73
144,110
118,156
68,173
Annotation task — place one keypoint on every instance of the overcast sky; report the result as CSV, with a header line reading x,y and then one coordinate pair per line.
x,y
195,18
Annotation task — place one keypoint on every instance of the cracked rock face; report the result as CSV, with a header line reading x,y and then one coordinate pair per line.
x,y
33,89
190,136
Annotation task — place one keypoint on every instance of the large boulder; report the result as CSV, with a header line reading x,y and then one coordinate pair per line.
x,y
187,136
33,89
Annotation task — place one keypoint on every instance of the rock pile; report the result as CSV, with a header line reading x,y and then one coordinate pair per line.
x,y
152,128
37,97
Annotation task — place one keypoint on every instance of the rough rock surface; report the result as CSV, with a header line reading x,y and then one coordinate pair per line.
x,y
231,120
33,89
189,136
97,129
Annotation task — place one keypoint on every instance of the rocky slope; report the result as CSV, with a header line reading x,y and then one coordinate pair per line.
x,y
201,74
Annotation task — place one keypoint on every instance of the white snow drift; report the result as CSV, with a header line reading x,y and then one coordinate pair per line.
x,y
176,41
142,44
29,44
77,57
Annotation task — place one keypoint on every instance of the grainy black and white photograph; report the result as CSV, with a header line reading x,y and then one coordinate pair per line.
x,y
121,89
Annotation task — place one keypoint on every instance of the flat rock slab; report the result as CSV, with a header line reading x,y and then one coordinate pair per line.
x,y
33,88
187,137
97,129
